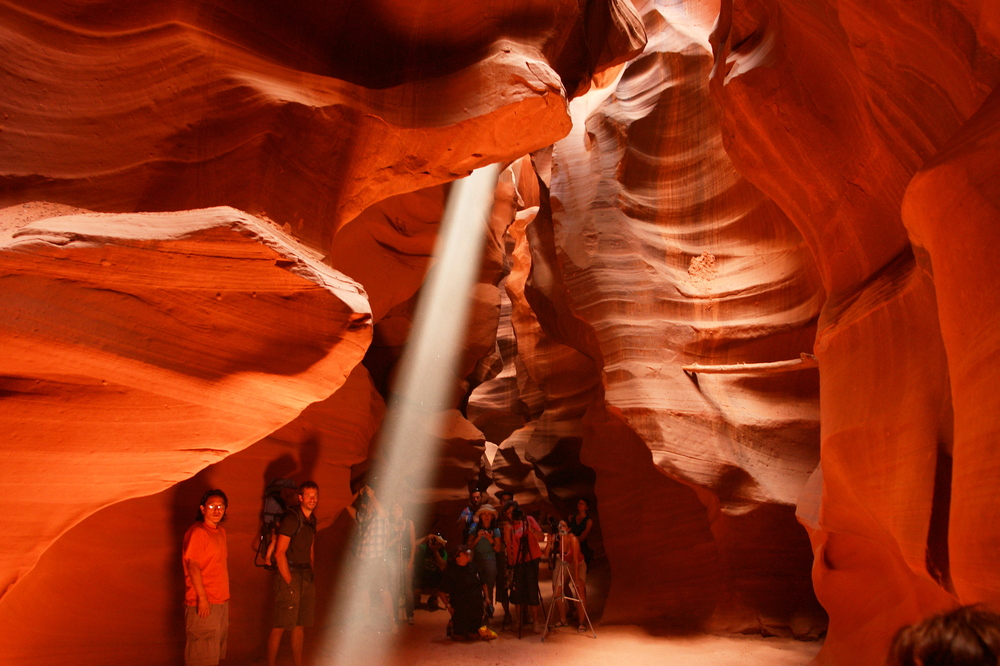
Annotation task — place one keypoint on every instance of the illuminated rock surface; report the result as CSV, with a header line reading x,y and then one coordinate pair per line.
x,y
720,198
143,347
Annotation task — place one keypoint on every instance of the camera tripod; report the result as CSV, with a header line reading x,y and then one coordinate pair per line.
x,y
564,571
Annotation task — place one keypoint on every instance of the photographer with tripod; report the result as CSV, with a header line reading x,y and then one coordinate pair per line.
x,y
570,571
521,536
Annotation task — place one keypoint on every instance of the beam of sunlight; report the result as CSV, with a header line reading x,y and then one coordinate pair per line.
x,y
425,382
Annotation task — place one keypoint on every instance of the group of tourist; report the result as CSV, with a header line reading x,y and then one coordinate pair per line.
x,y
497,560
206,578
500,557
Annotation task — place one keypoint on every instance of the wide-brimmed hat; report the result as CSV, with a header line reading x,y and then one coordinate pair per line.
x,y
486,508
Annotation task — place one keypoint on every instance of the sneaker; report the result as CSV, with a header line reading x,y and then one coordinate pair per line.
x,y
581,629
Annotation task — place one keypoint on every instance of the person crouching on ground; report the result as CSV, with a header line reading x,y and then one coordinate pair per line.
x,y
206,582
429,564
463,593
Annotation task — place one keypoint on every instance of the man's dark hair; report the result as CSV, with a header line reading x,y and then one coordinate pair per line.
x,y
308,484
215,492
966,636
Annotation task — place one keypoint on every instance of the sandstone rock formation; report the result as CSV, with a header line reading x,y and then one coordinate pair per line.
x,y
143,347
873,93
737,287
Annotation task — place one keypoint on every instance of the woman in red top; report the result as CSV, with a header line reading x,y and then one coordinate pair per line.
x,y
521,535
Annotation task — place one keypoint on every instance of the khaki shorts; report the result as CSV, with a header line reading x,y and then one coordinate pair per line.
x,y
206,636
295,604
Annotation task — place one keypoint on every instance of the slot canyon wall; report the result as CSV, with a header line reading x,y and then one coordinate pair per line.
x,y
737,287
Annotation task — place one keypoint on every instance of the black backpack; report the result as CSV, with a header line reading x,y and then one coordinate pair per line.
x,y
279,495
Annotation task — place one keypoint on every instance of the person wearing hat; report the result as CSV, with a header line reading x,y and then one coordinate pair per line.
x,y
485,542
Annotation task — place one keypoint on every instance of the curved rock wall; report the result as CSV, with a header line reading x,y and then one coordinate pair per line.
x,y
141,348
715,191
831,109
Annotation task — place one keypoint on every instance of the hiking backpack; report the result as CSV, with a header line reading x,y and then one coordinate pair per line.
x,y
279,496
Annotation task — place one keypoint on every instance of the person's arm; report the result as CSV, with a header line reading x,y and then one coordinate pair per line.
x,y
535,529
352,510
269,555
194,569
281,557
493,535
375,504
446,600
440,561
413,543
586,530
312,554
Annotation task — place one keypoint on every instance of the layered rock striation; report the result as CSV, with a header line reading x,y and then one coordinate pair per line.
x,y
736,290
831,109
143,347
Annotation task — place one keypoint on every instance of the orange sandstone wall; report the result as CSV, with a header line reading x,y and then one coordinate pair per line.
x,y
835,110
217,218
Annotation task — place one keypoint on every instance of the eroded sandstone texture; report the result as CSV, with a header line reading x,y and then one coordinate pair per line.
x,y
141,348
738,287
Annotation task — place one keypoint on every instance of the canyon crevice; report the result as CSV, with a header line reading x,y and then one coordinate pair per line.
x,y
737,288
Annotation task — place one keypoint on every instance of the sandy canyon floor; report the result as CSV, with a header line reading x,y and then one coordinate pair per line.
x,y
426,644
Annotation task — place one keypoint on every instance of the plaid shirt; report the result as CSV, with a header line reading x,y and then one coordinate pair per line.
x,y
373,536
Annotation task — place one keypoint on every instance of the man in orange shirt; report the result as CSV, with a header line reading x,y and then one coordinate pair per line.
x,y
206,578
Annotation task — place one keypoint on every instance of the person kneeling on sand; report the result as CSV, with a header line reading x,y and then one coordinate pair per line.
x,y
429,564
463,592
